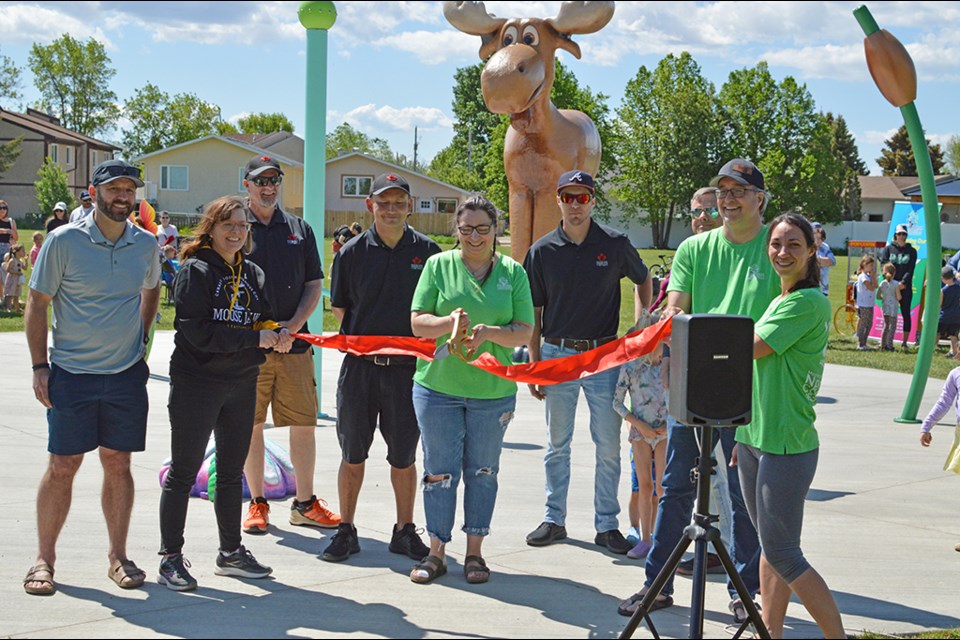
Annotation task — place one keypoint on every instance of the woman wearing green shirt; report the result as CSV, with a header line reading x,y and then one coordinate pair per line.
x,y
777,452
464,411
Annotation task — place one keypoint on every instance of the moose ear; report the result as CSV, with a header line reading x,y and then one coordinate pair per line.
x,y
489,44
564,42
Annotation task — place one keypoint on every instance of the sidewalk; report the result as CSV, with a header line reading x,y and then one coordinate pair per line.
x,y
881,523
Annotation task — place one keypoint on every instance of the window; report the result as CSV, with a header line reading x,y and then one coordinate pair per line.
x,y
93,159
55,153
355,186
424,205
242,171
69,151
175,177
447,205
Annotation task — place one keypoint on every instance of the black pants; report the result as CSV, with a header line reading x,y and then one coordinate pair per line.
x,y
906,298
197,408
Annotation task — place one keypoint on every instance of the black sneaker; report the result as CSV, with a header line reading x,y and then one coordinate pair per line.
x,y
343,545
547,533
242,564
406,541
174,575
714,565
614,541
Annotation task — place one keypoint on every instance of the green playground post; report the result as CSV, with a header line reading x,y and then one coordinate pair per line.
x,y
892,70
316,18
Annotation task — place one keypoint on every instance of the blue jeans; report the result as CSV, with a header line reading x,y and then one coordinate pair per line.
x,y
676,509
605,424
460,437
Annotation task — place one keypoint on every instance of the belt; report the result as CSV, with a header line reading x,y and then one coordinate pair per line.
x,y
578,345
388,361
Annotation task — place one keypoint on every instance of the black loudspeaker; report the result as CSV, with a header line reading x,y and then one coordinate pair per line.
x,y
711,370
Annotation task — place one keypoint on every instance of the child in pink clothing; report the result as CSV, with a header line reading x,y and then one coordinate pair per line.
x,y
35,251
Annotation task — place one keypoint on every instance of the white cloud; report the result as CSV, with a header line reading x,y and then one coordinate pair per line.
x,y
828,61
877,137
20,23
436,47
370,117
235,119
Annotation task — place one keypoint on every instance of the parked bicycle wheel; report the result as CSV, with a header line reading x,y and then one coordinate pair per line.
x,y
845,320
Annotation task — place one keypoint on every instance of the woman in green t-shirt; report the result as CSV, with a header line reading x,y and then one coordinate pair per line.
x,y
777,452
462,410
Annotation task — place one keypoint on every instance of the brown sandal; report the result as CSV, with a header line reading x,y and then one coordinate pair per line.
x,y
475,570
42,573
126,574
433,566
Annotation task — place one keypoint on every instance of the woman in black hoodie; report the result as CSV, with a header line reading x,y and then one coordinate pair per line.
x,y
223,329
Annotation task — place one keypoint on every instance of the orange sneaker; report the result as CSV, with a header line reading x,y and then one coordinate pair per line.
x,y
258,517
313,513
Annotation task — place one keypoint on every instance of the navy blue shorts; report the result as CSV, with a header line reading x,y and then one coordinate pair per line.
x,y
95,410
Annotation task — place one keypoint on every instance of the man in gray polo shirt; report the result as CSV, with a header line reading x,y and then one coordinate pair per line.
x,y
103,278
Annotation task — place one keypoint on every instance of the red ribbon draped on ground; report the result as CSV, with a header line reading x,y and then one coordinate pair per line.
x,y
545,372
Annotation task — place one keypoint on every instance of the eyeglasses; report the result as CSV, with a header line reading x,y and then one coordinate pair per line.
x,y
482,229
2,208
582,198
733,193
262,181
710,212
238,226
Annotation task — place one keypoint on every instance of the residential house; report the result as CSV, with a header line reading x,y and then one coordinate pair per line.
x,y
43,137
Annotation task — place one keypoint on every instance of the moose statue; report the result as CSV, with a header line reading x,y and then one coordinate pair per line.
x,y
543,141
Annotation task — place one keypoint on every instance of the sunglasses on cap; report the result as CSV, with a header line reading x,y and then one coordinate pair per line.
x,y
262,181
582,198
118,171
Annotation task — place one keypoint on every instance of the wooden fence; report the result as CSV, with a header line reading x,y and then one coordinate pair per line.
x,y
429,223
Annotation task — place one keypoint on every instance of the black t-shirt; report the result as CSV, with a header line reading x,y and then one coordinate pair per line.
x,y
375,284
55,223
286,250
578,286
903,258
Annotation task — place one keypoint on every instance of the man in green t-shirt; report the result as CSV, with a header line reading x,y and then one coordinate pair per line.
x,y
723,271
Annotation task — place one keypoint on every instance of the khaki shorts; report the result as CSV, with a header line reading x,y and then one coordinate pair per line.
x,y
287,385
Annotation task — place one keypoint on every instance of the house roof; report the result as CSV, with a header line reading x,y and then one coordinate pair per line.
x,y
237,143
404,170
947,186
49,129
879,187
261,140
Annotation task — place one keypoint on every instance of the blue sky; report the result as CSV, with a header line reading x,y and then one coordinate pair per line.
x,y
392,63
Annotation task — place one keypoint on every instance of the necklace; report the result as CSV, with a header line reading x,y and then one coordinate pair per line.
x,y
480,273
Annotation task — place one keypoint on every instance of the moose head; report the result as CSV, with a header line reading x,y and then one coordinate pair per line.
x,y
543,141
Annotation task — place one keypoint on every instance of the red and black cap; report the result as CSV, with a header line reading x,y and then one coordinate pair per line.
x,y
389,181
258,164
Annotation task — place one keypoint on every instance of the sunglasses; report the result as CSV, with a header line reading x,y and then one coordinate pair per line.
x,y
3,209
568,198
118,171
710,212
262,181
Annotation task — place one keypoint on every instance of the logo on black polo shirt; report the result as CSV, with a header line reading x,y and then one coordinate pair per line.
x,y
602,260
416,264
294,239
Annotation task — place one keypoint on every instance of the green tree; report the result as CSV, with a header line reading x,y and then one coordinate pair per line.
x,y
9,152
669,128
953,155
845,147
896,158
52,187
9,80
158,121
264,123
73,79
346,139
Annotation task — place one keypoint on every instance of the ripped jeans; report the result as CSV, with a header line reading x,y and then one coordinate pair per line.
x,y
460,437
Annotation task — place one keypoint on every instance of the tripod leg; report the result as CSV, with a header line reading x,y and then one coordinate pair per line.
x,y
654,591
753,614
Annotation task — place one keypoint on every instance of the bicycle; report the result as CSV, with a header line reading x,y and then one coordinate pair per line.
x,y
661,269
845,317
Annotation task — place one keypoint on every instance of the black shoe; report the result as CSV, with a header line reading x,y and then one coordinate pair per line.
x,y
614,541
714,565
343,545
241,563
406,541
547,533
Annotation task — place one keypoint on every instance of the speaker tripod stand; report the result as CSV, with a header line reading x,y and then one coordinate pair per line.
x,y
700,533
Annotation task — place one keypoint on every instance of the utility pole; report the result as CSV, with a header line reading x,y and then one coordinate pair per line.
x,y
416,145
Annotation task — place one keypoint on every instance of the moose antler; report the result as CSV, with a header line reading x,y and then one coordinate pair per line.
x,y
578,17
472,18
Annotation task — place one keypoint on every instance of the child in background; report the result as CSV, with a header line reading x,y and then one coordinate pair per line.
x,y
948,398
643,379
949,325
866,299
35,251
888,293
13,266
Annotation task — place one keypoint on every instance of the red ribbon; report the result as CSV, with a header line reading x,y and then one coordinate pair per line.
x,y
545,372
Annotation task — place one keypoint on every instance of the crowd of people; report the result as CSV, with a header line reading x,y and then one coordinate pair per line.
x,y
251,276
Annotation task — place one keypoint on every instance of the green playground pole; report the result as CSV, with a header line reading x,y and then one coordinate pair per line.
x,y
893,71
316,18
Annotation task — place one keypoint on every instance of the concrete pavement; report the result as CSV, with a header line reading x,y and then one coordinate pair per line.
x,y
881,523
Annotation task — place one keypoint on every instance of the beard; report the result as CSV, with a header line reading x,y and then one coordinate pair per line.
x,y
113,213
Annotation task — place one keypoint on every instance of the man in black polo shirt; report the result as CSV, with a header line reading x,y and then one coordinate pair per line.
x,y
374,277
285,248
575,274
